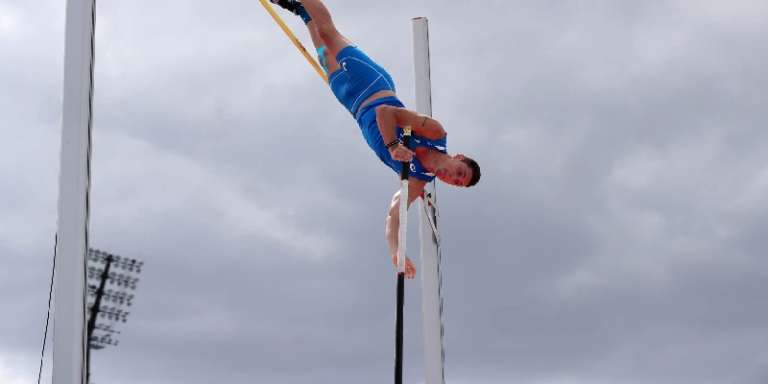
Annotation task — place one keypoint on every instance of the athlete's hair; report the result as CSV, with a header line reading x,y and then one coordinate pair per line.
x,y
472,164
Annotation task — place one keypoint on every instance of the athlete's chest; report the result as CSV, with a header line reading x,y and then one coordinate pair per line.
x,y
422,154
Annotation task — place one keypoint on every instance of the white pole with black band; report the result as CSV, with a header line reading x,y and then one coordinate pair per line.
x,y
401,247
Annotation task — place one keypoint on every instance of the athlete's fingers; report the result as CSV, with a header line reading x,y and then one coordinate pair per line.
x,y
405,154
410,270
402,156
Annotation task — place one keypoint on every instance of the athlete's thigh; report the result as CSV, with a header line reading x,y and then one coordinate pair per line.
x,y
334,45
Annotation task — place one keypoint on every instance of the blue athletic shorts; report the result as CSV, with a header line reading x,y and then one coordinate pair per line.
x,y
358,78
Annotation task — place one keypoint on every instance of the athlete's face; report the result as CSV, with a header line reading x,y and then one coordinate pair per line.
x,y
454,172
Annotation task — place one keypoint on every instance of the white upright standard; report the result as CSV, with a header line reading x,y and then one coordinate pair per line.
x,y
69,339
431,278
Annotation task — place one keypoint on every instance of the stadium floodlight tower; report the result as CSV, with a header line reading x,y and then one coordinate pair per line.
x,y
110,287
69,342
112,279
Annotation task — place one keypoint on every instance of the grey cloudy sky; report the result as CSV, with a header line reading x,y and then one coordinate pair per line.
x,y
617,236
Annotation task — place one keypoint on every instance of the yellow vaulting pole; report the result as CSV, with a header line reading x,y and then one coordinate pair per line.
x,y
293,39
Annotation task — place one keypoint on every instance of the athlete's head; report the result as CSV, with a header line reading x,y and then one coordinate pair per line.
x,y
459,170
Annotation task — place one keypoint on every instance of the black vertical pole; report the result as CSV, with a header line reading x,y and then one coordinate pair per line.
x,y
401,274
399,329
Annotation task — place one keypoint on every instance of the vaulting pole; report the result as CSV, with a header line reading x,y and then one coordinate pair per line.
x,y
401,256
69,341
294,39
431,278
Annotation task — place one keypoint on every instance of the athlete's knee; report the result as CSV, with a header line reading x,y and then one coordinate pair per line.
x,y
328,32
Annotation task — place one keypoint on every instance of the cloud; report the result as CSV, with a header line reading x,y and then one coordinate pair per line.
x,y
8,22
9,370
164,184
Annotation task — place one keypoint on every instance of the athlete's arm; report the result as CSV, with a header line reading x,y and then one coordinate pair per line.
x,y
389,118
392,222
386,119
394,117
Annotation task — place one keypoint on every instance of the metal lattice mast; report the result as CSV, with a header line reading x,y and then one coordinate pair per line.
x,y
112,280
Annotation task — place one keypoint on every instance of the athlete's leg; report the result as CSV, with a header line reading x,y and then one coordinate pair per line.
x,y
324,27
362,80
326,38
328,59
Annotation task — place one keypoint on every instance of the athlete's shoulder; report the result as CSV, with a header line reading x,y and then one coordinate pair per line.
x,y
428,127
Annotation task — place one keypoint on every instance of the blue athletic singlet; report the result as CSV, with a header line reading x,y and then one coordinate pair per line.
x,y
370,130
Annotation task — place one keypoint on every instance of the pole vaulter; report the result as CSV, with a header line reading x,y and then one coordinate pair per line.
x,y
367,91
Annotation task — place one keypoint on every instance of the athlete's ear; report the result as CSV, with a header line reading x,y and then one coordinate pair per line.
x,y
459,156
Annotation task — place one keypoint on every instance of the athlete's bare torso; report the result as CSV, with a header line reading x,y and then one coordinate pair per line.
x,y
376,96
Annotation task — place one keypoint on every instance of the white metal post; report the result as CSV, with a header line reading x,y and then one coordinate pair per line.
x,y
69,341
431,299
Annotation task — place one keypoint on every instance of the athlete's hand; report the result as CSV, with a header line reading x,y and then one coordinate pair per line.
x,y
401,153
410,269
